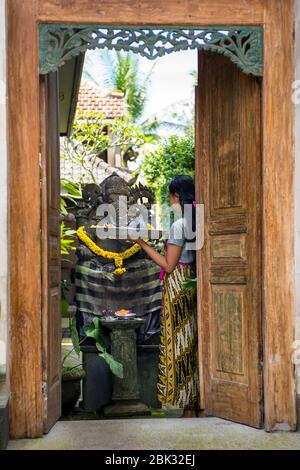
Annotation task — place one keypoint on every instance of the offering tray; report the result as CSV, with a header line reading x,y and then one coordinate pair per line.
x,y
124,233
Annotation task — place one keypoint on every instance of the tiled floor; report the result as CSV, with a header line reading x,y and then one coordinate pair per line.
x,y
158,434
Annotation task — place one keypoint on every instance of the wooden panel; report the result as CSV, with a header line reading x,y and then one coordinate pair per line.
x,y
25,357
224,225
228,311
51,273
230,247
230,290
227,179
280,409
151,11
228,274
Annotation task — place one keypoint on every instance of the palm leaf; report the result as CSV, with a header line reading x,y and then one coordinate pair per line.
x,y
190,284
115,366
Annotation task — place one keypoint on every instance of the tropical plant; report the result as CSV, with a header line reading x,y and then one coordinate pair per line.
x,y
190,284
173,157
67,239
90,138
93,331
68,365
70,191
121,71
90,130
65,283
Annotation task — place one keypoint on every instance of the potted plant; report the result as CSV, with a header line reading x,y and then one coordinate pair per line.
x,y
73,373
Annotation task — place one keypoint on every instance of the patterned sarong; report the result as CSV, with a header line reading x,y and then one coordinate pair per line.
x,y
139,289
178,382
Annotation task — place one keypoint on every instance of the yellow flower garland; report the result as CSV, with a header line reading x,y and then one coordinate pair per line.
x,y
117,257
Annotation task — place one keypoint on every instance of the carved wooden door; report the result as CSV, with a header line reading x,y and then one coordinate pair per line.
x,y
51,269
228,178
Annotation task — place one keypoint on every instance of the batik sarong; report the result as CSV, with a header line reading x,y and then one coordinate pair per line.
x,y
178,381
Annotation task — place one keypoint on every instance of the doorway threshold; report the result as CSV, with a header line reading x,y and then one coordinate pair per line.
x,y
80,414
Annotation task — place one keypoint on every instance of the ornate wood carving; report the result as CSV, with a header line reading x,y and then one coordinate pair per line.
x,y
242,44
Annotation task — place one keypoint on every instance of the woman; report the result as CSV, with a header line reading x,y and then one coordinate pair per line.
x,y
178,384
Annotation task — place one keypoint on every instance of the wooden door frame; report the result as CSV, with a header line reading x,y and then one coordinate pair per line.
x,y
276,16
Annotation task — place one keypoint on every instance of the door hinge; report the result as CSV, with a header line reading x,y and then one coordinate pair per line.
x,y
45,390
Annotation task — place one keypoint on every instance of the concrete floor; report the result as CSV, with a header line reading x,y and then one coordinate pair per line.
x,y
157,434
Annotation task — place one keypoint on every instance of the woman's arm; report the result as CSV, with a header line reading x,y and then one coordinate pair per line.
x,y
167,262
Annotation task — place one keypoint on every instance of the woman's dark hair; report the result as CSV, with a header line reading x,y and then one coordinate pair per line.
x,y
184,186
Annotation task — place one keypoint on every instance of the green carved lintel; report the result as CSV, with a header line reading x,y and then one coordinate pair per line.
x,y
241,44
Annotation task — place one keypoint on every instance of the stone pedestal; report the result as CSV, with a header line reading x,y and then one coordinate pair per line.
x,y
126,395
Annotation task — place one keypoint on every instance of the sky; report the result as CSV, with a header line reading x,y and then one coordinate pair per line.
x,y
171,80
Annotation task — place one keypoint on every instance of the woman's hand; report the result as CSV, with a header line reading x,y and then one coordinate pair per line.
x,y
167,262
139,240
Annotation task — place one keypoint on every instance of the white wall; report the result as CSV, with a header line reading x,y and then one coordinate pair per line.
x,y
297,183
3,191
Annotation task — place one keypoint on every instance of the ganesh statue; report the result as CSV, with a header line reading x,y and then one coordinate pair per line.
x,y
113,273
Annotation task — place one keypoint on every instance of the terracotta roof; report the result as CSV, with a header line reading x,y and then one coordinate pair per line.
x,y
92,98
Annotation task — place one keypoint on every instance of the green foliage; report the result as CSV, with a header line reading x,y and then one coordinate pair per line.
x,y
122,73
64,307
75,336
71,356
93,331
190,284
70,360
67,239
90,130
173,157
70,191
115,366
90,138
64,285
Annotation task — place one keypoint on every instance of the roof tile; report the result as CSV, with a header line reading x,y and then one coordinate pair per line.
x,y
92,98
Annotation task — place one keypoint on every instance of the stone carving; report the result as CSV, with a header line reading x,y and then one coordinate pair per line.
x,y
98,290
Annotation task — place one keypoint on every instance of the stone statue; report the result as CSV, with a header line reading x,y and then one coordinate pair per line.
x,y
98,290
